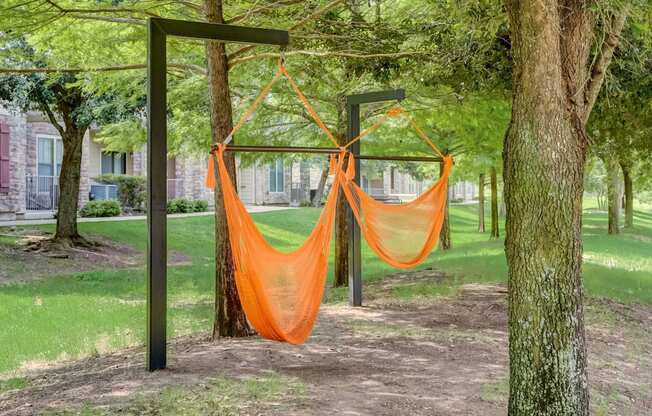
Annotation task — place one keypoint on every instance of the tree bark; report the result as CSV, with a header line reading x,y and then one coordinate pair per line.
x,y
629,195
613,194
316,200
481,227
69,181
341,273
495,228
445,242
230,319
544,158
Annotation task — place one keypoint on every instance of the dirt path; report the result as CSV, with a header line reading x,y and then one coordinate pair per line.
x,y
426,357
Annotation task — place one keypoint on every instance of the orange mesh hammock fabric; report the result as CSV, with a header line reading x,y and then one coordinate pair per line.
x,y
280,292
403,235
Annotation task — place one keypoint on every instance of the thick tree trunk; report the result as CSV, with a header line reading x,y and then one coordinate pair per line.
x,y
230,319
495,228
481,227
69,180
341,273
613,194
445,242
68,102
629,195
316,200
544,157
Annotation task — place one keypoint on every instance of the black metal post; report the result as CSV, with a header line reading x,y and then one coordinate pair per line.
x,y
156,198
158,30
353,103
355,249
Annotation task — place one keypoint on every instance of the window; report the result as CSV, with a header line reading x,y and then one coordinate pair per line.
x,y
113,162
276,176
50,155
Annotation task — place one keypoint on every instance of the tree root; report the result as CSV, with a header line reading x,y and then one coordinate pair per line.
x,y
61,247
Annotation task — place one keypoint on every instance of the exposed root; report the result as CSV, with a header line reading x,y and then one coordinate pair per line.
x,y
60,247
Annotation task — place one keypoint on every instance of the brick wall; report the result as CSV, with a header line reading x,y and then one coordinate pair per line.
x,y
12,204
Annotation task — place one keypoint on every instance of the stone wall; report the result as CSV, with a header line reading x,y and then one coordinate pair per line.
x,y
191,175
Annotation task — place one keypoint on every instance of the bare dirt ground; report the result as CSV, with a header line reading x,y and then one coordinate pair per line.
x,y
441,356
18,265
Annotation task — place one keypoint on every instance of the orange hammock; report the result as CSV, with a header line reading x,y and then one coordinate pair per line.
x,y
281,292
402,234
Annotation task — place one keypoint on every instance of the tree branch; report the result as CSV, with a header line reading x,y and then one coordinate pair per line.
x,y
100,10
190,4
335,54
302,22
605,55
188,67
261,9
127,20
45,108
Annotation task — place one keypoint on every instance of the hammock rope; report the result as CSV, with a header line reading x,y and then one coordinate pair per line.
x,y
281,292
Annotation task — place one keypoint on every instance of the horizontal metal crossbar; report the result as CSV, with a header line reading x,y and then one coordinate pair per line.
x,y
376,96
221,32
325,150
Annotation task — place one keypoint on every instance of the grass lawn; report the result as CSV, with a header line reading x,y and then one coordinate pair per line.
x,y
69,316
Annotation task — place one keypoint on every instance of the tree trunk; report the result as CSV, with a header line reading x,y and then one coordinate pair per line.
x,y
69,180
544,157
495,229
613,194
230,319
316,201
629,195
481,227
341,273
445,242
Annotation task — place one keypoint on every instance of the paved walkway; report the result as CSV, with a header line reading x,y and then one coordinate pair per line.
x,y
250,208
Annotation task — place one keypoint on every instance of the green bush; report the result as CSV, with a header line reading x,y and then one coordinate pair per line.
x,y
132,190
101,208
200,205
180,206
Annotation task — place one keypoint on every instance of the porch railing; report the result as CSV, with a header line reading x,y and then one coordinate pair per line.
x,y
42,193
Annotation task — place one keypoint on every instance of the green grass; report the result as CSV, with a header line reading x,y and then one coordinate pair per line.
x,y
220,396
87,313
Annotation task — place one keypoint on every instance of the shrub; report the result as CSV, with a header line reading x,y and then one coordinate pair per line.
x,y
132,190
200,205
180,205
101,208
